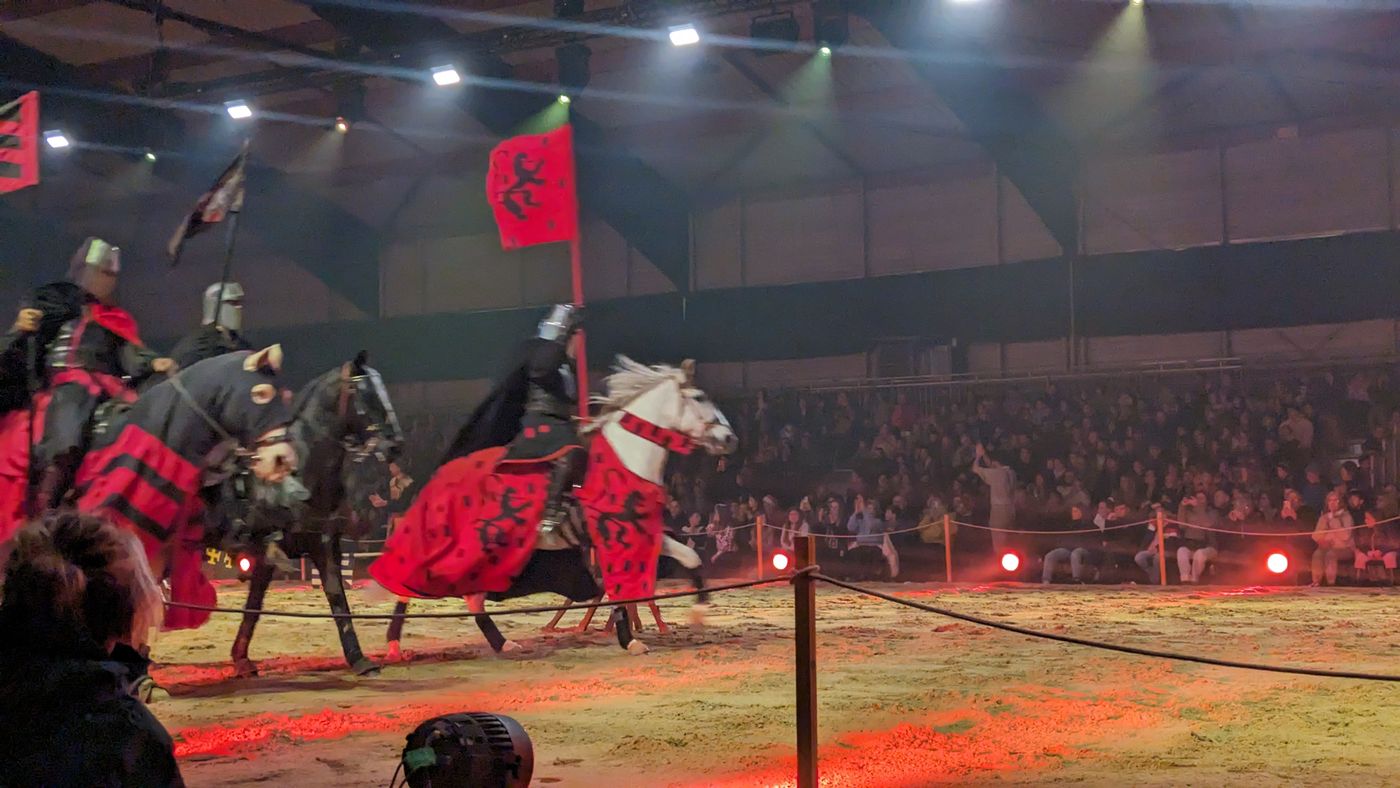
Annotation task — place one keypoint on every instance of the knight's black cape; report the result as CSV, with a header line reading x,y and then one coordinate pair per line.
x,y
497,420
60,302
206,342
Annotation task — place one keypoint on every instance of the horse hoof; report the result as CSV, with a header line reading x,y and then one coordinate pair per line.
x,y
245,669
698,613
394,654
365,667
510,647
637,648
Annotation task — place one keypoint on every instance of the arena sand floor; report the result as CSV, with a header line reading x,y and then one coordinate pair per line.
x,y
907,698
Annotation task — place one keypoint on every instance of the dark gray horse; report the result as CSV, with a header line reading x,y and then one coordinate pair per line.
x,y
345,432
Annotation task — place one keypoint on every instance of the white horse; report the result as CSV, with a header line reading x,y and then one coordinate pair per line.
x,y
648,413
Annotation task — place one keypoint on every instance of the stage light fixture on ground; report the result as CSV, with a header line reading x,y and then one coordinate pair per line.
x,y
446,75
238,109
684,35
57,139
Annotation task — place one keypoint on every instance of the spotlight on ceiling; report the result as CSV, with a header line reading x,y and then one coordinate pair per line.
x,y
774,27
564,9
446,75
824,51
238,109
831,27
349,105
57,139
564,99
684,35
574,66
150,155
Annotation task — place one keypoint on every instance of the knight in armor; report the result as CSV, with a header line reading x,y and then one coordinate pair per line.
x,y
72,348
219,332
531,412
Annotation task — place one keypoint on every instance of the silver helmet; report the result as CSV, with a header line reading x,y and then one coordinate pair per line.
x,y
226,311
94,267
561,322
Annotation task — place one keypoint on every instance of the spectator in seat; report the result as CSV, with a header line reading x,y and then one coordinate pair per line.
x,y
1314,489
76,589
867,526
1376,542
1198,542
931,521
1073,547
1333,535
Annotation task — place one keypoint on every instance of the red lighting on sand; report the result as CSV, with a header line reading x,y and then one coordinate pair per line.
x,y
1010,562
780,561
1277,563
245,564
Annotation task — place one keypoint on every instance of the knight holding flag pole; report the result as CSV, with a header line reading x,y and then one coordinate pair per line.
x,y
530,185
224,200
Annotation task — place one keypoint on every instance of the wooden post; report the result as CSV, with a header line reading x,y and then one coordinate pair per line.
x,y
1161,547
758,543
948,546
805,623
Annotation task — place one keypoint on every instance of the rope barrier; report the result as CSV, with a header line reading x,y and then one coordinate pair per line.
x,y
1095,530
1098,644
507,612
1278,533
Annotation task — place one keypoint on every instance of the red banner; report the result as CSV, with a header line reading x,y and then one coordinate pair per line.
x,y
530,186
19,143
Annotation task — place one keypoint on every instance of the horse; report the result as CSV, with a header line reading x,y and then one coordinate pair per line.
x,y
341,421
472,530
144,467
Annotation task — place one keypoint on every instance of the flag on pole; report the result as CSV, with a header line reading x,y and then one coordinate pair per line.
x,y
530,185
223,198
19,143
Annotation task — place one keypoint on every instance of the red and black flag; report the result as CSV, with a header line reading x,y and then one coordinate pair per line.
x,y
530,186
223,198
19,143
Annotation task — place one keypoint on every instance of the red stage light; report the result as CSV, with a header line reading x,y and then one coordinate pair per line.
x,y
245,564
1011,562
780,561
1277,563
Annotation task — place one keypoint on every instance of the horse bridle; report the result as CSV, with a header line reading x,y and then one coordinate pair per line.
x,y
372,439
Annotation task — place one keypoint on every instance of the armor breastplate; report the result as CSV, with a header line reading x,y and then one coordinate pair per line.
x,y
547,403
60,350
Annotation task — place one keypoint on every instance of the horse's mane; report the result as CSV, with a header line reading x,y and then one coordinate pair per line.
x,y
630,380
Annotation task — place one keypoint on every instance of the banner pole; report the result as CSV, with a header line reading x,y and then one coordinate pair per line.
x,y
582,351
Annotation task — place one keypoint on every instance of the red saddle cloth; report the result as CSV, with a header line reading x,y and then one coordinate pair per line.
x,y
624,513
471,529
147,488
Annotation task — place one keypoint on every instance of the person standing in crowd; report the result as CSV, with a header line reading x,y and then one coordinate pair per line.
x,y
1333,535
76,591
1001,486
866,524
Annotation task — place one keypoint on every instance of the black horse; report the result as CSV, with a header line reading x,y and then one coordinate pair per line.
x,y
345,431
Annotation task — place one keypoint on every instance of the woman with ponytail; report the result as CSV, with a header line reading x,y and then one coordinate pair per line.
x,y
77,595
